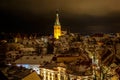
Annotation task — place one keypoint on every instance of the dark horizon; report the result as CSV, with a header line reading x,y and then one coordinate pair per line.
x,y
82,24
16,16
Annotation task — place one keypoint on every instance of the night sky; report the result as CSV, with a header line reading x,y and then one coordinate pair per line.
x,y
82,16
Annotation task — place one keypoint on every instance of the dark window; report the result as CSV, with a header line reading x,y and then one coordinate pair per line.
x,y
27,57
34,58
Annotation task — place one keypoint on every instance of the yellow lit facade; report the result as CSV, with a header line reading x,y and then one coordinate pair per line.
x,y
57,27
51,74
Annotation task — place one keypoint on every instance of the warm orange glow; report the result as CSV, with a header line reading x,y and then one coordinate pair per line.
x,y
57,31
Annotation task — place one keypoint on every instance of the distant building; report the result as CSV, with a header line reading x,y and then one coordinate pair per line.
x,y
57,27
3,49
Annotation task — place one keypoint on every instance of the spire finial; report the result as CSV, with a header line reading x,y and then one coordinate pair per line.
x,y
57,22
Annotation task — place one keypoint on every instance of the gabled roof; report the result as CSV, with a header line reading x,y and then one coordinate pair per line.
x,y
32,76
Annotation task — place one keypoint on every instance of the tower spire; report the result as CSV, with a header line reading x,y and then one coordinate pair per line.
x,y
57,22
57,27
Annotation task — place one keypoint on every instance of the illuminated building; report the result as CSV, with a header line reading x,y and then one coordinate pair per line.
x,y
33,62
53,72
60,71
57,27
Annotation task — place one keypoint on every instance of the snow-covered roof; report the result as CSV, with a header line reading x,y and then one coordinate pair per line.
x,y
34,59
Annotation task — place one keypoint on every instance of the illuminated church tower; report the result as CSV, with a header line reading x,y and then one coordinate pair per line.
x,y
57,27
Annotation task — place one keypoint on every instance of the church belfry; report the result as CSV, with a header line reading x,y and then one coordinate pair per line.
x,y
57,27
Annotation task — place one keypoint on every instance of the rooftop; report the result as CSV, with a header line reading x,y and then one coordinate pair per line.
x,y
34,59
